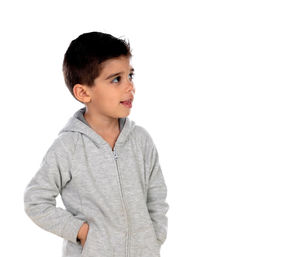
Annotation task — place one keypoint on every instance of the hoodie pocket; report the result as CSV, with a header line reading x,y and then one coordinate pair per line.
x,y
145,243
84,251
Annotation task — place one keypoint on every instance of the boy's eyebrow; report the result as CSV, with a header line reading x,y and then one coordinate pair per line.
x,y
114,74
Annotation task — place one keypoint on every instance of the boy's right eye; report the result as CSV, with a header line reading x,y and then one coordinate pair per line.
x,y
115,78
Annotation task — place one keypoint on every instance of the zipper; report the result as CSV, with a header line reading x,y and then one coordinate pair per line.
x,y
123,201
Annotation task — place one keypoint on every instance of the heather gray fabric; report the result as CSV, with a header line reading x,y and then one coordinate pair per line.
x,y
121,192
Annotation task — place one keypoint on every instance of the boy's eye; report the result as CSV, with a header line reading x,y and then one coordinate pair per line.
x,y
116,78
131,76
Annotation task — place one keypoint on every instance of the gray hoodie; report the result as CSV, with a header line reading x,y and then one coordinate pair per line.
x,y
121,192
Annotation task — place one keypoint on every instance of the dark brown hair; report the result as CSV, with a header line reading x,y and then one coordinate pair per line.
x,y
84,57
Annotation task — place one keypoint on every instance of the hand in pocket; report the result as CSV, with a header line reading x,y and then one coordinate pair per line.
x,y
82,234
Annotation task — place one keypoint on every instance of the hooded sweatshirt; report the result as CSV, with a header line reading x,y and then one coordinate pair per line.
x,y
120,192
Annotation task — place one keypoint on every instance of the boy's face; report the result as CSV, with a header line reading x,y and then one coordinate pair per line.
x,y
112,86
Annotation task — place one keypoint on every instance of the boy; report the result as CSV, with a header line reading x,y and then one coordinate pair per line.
x,y
105,167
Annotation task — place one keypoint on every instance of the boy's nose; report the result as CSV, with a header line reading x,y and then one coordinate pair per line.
x,y
130,87
132,91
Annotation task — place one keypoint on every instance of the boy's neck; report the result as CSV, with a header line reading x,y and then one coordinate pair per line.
x,y
102,124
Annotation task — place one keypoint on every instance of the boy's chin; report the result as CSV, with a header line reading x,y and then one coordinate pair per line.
x,y
123,116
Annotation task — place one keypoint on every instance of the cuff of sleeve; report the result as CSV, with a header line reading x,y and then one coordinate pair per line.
x,y
159,242
161,239
71,230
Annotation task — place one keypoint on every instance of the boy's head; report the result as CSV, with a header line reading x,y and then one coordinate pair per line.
x,y
89,67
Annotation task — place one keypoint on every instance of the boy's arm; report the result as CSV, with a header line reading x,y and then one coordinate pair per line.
x,y
40,194
156,197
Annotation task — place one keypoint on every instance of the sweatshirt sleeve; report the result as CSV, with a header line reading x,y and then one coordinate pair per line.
x,y
41,192
156,196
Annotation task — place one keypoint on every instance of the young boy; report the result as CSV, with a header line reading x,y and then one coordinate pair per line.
x,y
105,166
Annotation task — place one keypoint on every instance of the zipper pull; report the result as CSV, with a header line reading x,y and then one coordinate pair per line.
x,y
115,154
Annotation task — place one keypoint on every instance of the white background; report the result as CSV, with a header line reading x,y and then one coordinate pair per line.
x,y
217,87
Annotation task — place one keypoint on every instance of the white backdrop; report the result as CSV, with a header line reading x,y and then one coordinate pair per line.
x,y
217,87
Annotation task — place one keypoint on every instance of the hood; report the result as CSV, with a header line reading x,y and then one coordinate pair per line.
x,y
75,124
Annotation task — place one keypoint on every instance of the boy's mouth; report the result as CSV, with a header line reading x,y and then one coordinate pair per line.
x,y
127,103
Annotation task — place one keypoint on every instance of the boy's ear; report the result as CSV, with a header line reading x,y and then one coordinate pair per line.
x,y
82,93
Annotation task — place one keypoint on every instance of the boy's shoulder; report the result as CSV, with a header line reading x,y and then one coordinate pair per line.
x,y
64,144
143,135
